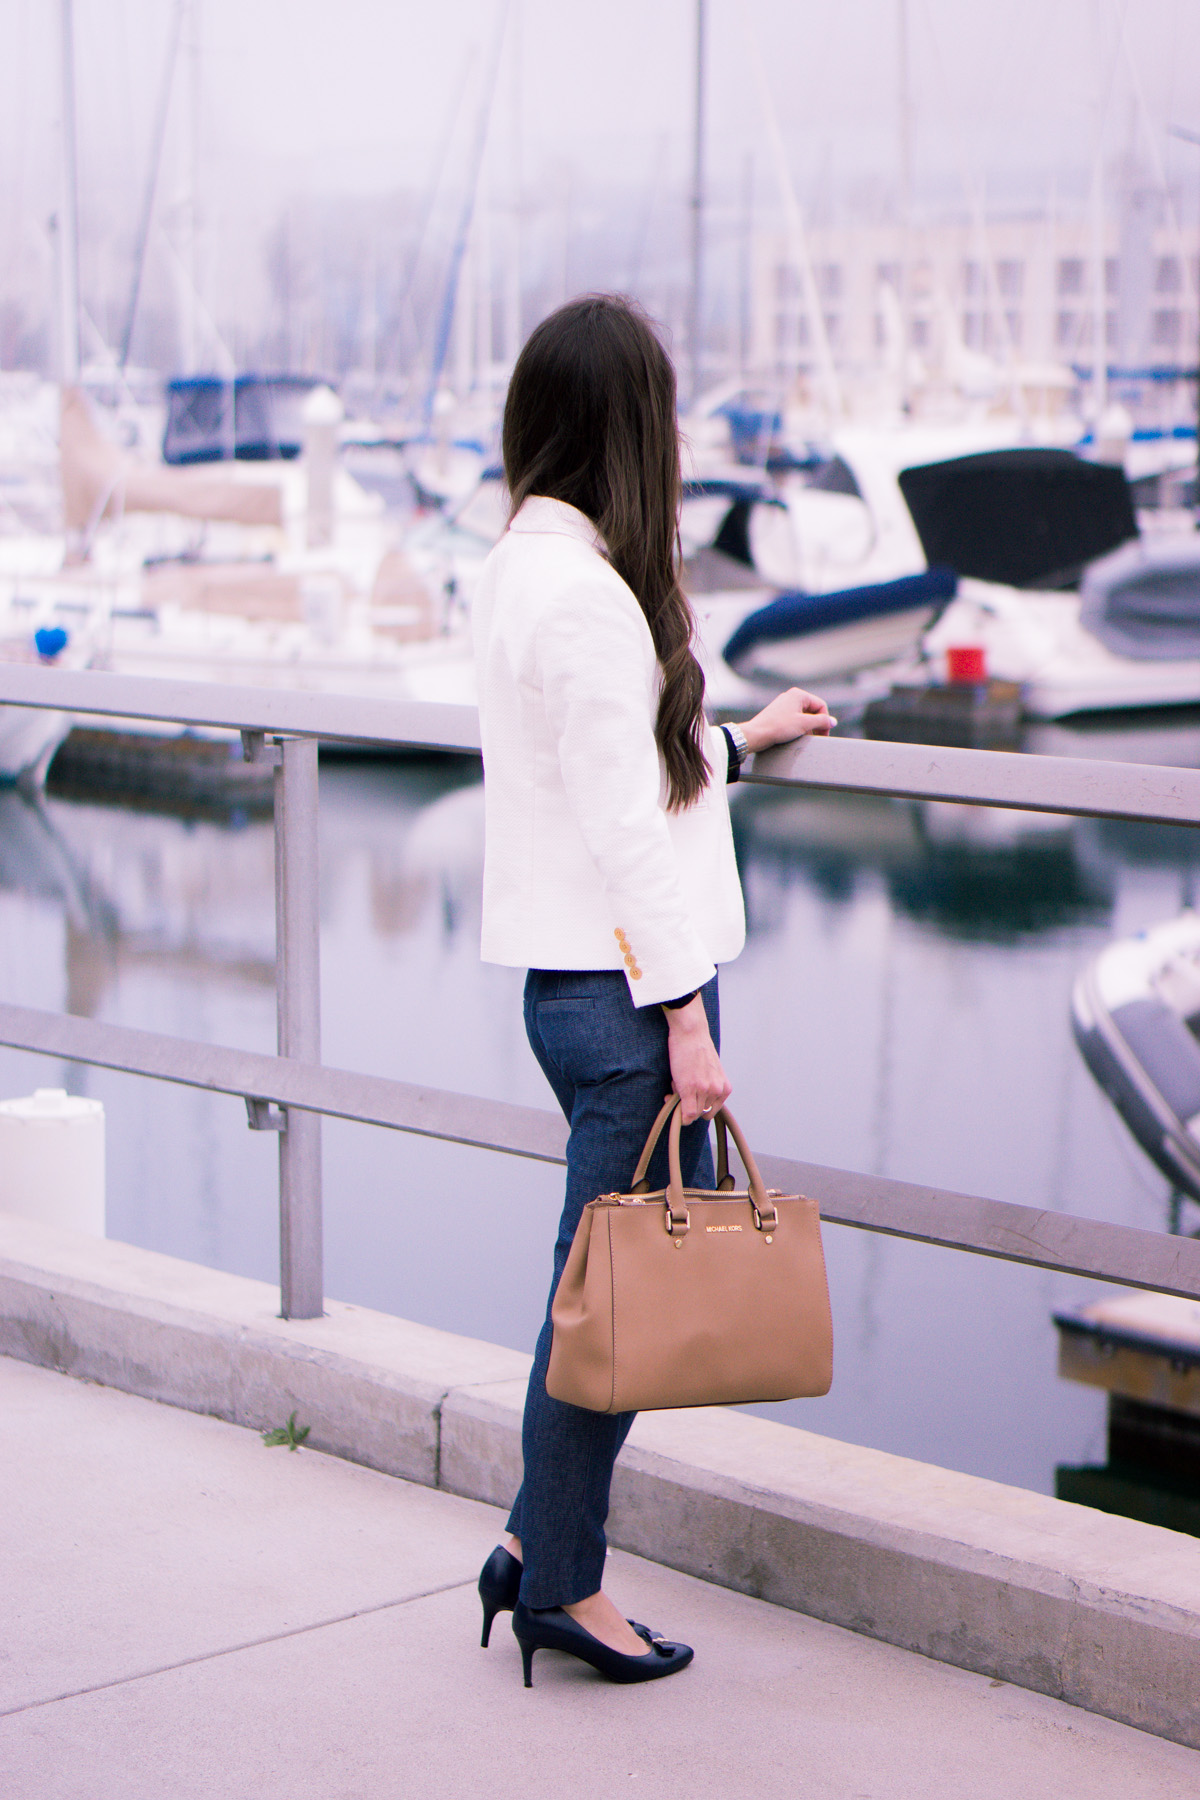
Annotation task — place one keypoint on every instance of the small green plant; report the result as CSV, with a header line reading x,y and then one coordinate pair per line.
x,y
291,1434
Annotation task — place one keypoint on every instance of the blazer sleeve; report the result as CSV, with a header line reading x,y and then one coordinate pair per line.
x,y
600,686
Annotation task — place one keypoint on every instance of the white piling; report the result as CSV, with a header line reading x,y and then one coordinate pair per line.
x,y
52,1160
322,415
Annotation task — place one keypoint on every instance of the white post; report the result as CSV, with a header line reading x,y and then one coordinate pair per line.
x,y
322,415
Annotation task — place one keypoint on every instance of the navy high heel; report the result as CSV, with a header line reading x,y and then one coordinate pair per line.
x,y
555,1629
499,1586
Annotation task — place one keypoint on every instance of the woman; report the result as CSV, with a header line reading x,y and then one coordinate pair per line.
x,y
609,871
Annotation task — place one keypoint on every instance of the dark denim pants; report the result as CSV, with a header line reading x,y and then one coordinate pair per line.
x,y
607,1063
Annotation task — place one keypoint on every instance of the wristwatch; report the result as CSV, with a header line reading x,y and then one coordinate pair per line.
x,y
739,750
740,746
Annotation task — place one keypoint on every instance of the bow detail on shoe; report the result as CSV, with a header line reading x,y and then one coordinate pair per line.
x,y
659,1645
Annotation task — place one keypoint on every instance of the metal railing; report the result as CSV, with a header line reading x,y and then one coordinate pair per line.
x,y
291,1091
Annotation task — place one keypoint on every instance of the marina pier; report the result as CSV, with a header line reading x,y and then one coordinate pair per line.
x,y
1017,1588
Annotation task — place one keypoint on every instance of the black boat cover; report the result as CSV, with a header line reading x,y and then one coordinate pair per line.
x,y
1144,600
799,615
1026,517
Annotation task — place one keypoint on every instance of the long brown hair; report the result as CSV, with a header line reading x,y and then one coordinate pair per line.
x,y
590,419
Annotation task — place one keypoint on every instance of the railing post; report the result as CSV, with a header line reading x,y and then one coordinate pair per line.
x,y
298,1000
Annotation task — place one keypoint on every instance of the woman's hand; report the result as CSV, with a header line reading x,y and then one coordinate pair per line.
x,y
696,1072
791,715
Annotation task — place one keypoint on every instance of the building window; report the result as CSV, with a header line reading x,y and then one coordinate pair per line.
x,y
920,334
833,330
1166,327
1168,275
829,281
1070,277
1012,320
1066,331
973,330
972,279
1010,277
1112,274
887,274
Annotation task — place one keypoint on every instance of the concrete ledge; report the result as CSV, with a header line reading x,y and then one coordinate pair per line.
x,y
369,1386
1098,1611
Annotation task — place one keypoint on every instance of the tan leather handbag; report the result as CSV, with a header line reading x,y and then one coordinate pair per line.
x,y
687,1297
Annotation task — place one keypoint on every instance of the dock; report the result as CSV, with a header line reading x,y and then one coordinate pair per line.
x,y
817,1567
191,1613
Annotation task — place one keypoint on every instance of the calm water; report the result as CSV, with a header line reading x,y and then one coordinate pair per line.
x,y
901,1007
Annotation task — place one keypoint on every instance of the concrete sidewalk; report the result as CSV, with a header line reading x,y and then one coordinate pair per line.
x,y
191,1616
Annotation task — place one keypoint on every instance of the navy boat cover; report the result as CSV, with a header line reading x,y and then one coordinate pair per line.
x,y
798,615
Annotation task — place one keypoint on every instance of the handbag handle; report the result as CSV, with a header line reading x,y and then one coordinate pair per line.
x,y
765,1213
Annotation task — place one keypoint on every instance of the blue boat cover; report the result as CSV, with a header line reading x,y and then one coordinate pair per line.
x,y
265,422
799,615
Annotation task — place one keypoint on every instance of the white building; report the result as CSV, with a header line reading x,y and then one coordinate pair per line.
x,y
1023,293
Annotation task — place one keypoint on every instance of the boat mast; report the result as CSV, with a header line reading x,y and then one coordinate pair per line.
x,y
445,318
1099,296
68,209
153,175
905,162
697,212
1190,137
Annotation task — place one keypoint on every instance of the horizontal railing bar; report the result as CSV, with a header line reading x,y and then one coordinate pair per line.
x,y
997,1228
341,1093
1038,1237
292,712
1059,784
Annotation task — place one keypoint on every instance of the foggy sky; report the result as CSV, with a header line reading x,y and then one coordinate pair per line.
x,y
356,94
300,101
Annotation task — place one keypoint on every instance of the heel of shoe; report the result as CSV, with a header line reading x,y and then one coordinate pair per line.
x,y
499,1587
527,1650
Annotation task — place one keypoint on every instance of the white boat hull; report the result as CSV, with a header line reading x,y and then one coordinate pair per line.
x,y
29,736
1037,639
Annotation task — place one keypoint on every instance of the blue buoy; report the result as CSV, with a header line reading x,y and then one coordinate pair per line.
x,y
51,641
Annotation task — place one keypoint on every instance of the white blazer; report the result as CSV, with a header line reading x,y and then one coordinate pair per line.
x,y
584,867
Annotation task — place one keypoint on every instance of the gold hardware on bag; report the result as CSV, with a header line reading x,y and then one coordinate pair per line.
x,y
678,1222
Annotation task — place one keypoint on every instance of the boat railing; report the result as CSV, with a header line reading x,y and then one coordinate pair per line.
x,y
290,1092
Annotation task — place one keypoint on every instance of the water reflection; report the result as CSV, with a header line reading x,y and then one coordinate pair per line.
x,y
901,1006
986,875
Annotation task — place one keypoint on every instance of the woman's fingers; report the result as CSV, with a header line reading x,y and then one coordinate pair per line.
x,y
793,714
701,1099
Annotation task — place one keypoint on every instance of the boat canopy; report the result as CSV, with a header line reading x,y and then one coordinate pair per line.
x,y
1143,601
253,418
799,615
1025,517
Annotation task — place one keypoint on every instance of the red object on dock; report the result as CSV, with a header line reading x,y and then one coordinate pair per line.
x,y
966,663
